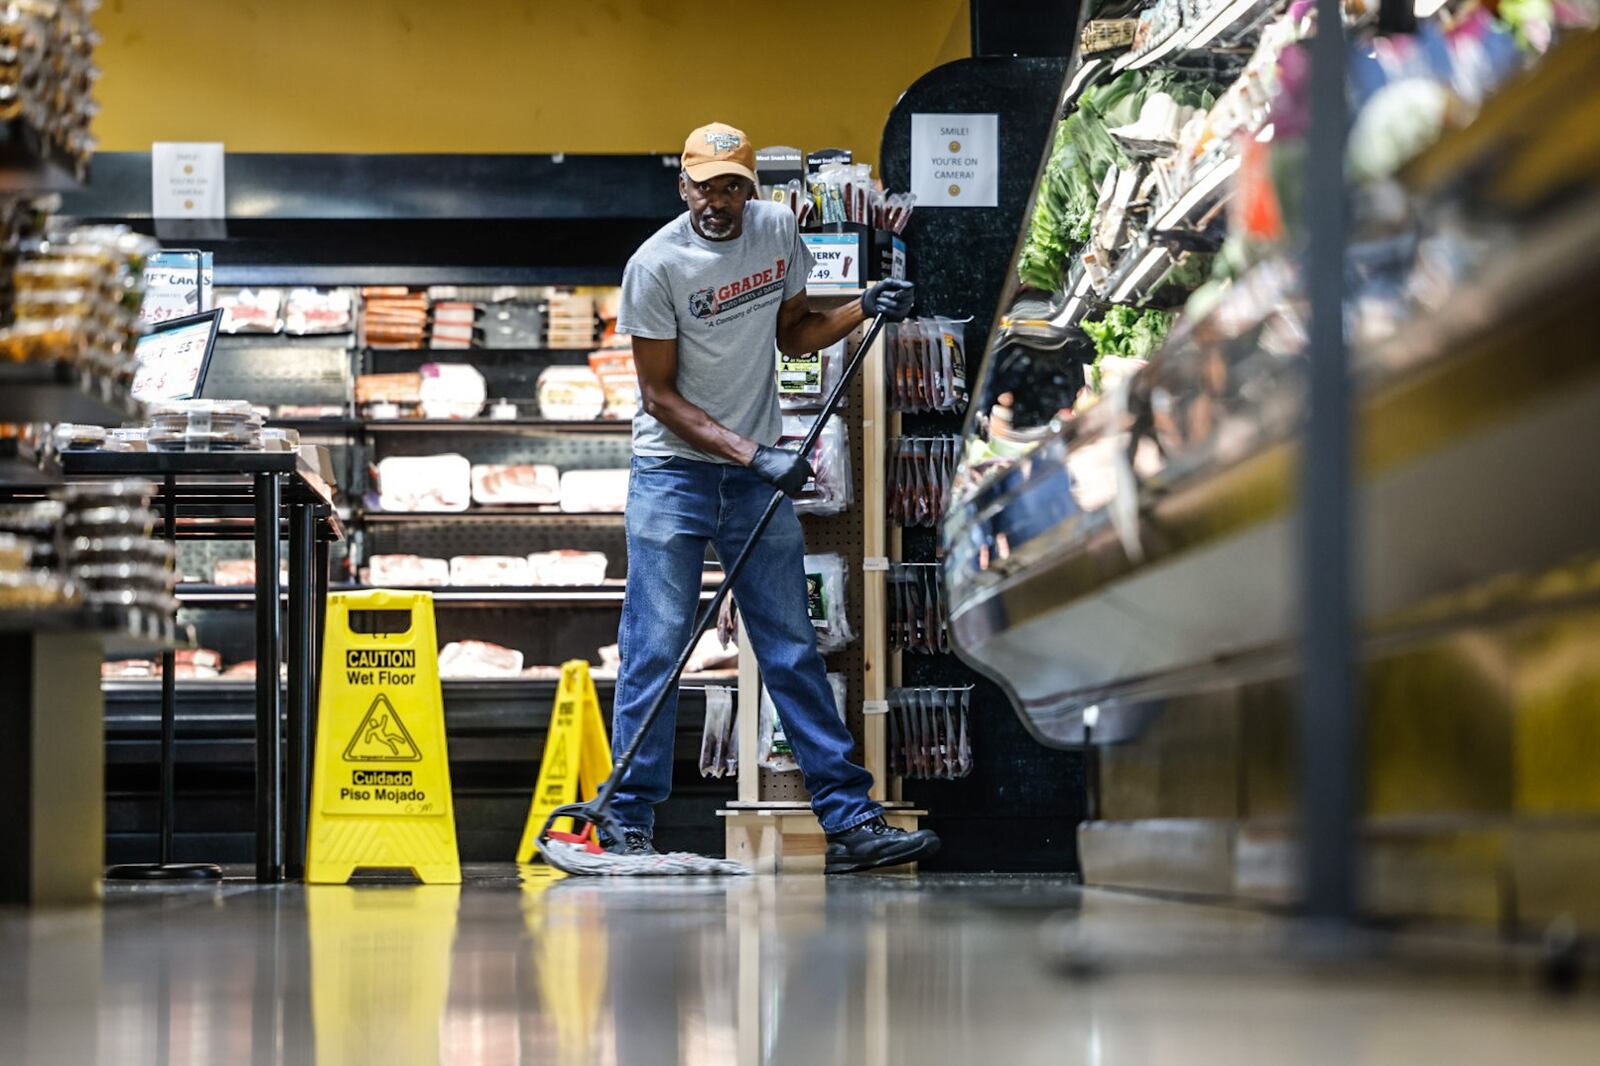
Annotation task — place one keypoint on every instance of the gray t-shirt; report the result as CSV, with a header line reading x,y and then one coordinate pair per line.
x,y
720,300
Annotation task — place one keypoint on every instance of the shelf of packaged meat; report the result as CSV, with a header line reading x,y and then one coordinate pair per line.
x,y
487,721
58,392
534,513
528,426
609,593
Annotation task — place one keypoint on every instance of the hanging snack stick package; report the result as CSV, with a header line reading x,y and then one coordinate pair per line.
x,y
826,602
831,489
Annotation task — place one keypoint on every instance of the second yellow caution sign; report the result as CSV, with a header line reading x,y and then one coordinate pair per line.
x,y
380,793
577,756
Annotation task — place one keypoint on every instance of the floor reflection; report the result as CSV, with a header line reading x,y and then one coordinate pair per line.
x,y
521,967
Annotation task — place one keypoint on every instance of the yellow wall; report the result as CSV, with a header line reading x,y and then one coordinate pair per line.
x,y
511,75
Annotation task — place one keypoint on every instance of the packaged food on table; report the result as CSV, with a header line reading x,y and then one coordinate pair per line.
x,y
619,381
425,483
251,311
73,438
35,589
280,440
489,571
32,519
407,570
570,394
496,485
594,491
451,390
17,551
566,566
478,659
309,312
831,489
204,425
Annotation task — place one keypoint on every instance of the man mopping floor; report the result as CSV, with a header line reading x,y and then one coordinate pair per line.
x,y
703,471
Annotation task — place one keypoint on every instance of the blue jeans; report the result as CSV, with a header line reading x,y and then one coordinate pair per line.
x,y
675,508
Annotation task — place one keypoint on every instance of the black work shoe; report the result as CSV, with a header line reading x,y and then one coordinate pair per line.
x,y
877,843
633,842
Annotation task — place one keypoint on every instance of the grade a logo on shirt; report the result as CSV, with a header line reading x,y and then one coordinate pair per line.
x,y
709,303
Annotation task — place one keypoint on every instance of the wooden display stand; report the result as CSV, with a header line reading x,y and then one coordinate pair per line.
x,y
770,827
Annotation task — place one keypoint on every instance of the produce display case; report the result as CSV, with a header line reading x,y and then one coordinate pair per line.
x,y
1123,553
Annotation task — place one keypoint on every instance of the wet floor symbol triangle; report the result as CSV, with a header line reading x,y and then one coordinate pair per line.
x,y
382,736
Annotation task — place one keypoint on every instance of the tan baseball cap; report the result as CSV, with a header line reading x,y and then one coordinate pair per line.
x,y
718,149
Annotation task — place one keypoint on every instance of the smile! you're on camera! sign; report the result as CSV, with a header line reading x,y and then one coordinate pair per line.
x,y
955,160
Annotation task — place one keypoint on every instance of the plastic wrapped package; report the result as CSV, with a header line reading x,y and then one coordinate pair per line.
x,y
826,600
251,311
832,489
405,571
451,390
489,571
719,747
774,751
478,659
619,380
805,381
425,483
309,312
512,485
594,491
566,567
512,324
570,394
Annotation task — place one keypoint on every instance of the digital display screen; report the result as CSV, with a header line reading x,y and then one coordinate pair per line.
x,y
171,361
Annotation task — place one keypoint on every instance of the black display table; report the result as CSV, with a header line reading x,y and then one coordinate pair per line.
x,y
267,497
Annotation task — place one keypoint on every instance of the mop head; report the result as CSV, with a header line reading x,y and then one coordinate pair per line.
x,y
579,861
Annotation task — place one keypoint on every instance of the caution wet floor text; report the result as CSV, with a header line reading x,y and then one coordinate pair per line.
x,y
381,787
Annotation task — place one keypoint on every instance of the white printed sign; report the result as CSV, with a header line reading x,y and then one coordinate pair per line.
x,y
955,160
837,261
187,180
176,284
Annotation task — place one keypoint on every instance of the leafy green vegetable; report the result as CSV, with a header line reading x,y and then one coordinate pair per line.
x,y
1082,152
1128,331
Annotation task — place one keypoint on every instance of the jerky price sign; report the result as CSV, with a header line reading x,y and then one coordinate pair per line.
x,y
955,160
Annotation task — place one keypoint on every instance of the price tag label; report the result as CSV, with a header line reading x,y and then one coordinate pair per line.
x,y
837,261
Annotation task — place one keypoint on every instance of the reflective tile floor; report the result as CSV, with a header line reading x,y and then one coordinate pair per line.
x,y
514,968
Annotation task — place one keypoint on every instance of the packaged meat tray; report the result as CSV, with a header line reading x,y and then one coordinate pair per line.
x,y
504,486
389,388
451,390
567,567
478,659
619,381
570,394
309,311
233,572
488,570
251,311
425,483
405,571
604,491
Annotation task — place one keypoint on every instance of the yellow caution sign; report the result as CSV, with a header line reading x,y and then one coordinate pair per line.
x,y
577,755
380,793
380,973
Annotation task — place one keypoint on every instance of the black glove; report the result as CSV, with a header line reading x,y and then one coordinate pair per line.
x,y
890,297
785,469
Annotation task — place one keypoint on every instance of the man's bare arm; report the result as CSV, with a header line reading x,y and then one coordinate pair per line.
x,y
657,365
802,330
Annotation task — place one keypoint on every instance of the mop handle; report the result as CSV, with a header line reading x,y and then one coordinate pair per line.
x,y
625,760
